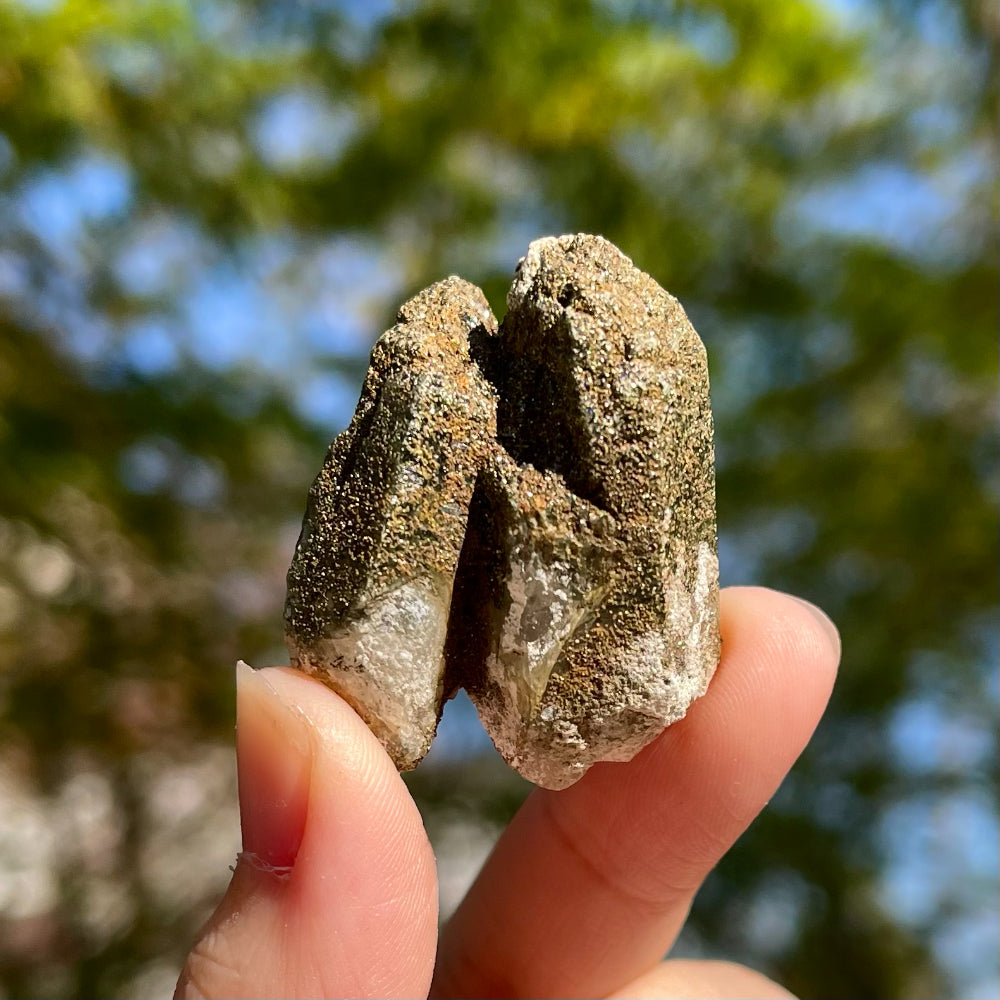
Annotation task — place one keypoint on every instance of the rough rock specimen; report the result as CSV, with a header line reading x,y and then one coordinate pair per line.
x,y
370,584
526,512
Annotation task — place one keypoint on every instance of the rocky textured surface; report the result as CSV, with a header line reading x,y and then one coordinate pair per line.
x,y
528,513
603,384
370,583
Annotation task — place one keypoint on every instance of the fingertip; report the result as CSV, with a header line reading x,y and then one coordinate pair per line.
x,y
353,780
288,726
826,625
324,722
768,628
699,979
336,888
613,861
777,670
361,825
274,754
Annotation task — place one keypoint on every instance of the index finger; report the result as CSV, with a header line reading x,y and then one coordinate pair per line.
x,y
588,887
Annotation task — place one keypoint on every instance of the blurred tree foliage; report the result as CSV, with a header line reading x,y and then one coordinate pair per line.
x,y
186,190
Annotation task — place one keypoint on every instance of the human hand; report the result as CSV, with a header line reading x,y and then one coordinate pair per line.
x,y
335,893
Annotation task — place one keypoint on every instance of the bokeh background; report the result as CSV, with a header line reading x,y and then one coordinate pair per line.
x,y
210,209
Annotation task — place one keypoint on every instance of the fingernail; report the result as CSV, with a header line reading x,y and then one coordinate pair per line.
x,y
274,762
829,629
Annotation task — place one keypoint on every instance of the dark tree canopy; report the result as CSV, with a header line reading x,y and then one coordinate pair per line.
x,y
207,213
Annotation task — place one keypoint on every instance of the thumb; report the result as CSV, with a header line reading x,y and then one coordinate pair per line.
x,y
335,891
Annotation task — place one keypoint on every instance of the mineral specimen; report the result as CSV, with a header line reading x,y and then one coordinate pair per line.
x,y
370,584
525,512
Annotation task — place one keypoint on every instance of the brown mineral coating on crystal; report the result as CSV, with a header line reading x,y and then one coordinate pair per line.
x,y
528,514
604,385
370,583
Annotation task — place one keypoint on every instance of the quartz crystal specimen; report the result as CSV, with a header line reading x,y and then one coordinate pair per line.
x,y
370,584
589,649
528,513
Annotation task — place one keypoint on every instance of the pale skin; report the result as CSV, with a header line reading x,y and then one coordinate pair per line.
x,y
335,894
